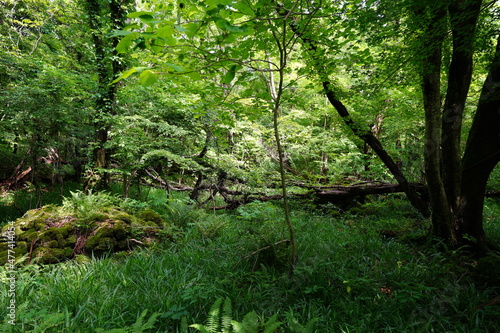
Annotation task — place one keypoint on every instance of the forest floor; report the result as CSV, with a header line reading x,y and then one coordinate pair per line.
x,y
371,269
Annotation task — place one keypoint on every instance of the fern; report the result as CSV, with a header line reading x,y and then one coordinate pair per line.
x,y
227,316
251,322
225,324
138,327
213,319
296,327
272,324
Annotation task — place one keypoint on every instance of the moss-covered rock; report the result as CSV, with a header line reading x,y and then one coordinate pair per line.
x,y
51,234
150,215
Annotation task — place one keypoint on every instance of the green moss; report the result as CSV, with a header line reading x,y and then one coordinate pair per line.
x,y
117,214
30,235
82,259
38,218
71,240
106,237
52,244
52,255
18,253
149,215
22,246
52,231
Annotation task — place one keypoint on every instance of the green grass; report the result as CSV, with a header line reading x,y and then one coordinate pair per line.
x,y
14,204
349,277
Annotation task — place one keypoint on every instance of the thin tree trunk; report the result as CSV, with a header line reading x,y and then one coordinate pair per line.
x,y
363,133
108,65
433,36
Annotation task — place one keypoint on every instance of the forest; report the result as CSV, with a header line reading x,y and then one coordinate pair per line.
x,y
251,166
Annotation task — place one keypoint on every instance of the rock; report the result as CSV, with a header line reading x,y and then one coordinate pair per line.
x,y
49,234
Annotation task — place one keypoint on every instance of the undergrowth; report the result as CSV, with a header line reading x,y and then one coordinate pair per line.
x,y
353,275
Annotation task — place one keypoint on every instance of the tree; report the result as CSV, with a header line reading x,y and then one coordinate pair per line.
x,y
42,82
457,184
222,35
103,18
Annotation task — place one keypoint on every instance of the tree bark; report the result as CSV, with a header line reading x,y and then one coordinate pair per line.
x,y
441,217
108,65
481,155
463,20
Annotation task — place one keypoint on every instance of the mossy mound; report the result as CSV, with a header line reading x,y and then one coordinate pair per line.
x,y
50,234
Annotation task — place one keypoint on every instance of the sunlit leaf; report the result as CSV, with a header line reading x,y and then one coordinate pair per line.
x,y
148,78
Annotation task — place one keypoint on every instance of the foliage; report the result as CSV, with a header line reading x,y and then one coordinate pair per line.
x,y
370,280
222,321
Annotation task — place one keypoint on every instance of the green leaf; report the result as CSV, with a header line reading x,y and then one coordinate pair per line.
x,y
117,33
195,76
126,42
200,328
235,28
243,7
127,73
166,33
231,73
228,77
139,14
148,78
176,68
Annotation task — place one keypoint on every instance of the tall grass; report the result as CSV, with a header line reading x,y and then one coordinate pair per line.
x,y
350,277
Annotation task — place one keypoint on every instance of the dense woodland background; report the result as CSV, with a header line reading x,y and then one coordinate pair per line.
x,y
322,130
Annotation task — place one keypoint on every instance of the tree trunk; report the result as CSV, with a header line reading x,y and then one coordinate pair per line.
x,y
108,65
463,19
481,155
442,218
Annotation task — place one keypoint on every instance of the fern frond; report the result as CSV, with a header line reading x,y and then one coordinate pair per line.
x,y
251,322
214,317
272,324
200,328
237,327
227,316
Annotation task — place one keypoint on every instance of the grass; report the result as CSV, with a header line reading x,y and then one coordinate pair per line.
x,y
349,278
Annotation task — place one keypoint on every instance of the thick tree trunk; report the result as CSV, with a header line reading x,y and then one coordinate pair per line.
x,y
441,215
463,19
481,156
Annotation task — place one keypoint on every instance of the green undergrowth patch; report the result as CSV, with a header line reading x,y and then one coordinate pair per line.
x,y
350,277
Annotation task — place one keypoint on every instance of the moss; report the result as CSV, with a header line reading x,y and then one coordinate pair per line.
x,y
71,240
38,218
149,215
106,237
30,235
22,245
117,214
53,232
19,251
52,244
52,255
82,259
